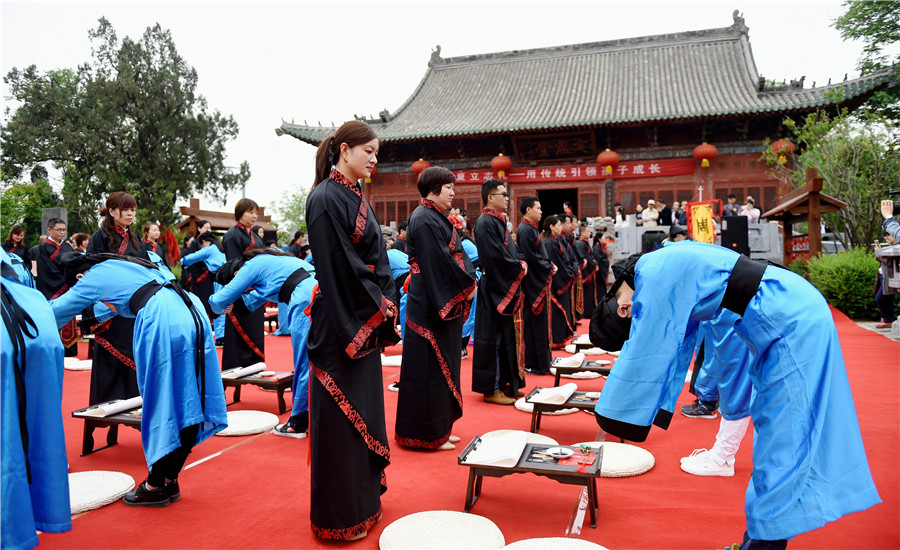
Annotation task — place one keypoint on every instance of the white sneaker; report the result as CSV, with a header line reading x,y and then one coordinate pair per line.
x,y
705,465
393,386
694,455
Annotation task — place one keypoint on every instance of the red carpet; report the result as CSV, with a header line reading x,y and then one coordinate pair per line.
x,y
255,494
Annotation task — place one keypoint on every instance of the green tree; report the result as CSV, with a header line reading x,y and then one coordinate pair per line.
x,y
877,24
130,119
858,158
291,213
23,203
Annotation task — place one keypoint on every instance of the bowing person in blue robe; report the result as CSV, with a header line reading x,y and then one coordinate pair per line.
x,y
282,277
213,258
22,273
33,466
399,261
809,463
177,368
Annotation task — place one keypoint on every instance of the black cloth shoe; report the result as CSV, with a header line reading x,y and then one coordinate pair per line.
x,y
142,496
173,490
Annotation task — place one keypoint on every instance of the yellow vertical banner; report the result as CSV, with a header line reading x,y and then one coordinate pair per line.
x,y
702,228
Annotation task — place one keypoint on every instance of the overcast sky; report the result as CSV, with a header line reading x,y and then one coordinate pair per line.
x,y
324,62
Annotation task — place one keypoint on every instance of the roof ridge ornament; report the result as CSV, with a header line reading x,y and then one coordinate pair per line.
x,y
739,24
436,58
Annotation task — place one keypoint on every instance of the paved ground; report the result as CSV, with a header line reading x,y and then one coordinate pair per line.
x,y
893,334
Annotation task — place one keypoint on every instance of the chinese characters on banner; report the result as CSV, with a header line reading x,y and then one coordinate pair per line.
x,y
799,247
580,172
701,224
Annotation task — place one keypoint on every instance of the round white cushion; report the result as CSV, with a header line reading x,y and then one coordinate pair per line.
x,y
553,542
622,459
93,489
249,422
441,529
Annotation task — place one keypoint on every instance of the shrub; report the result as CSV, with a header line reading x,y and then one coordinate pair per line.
x,y
800,267
846,280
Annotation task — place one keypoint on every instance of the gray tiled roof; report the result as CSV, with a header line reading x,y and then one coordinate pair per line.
x,y
708,73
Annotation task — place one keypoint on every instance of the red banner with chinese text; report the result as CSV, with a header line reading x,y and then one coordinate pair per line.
x,y
579,172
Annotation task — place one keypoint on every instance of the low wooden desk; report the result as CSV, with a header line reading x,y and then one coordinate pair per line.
x,y
588,365
128,418
567,475
279,382
578,400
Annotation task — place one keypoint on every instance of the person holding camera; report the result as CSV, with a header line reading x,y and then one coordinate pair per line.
x,y
891,226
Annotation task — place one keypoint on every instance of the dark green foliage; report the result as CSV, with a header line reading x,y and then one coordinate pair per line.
x,y
877,25
846,279
800,267
128,120
23,204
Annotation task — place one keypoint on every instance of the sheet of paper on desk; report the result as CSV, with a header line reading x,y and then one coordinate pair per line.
x,y
241,372
503,451
574,361
110,408
555,396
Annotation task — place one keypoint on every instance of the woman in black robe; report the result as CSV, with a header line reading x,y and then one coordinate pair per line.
x,y
588,272
244,329
561,325
353,316
441,287
599,252
113,371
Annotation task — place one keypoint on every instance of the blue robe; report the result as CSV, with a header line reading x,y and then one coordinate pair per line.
x,y
266,274
809,464
724,376
472,252
44,503
399,261
214,259
22,272
165,340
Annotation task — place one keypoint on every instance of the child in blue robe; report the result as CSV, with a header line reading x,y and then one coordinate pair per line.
x,y
35,476
809,463
183,400
214,258
275,276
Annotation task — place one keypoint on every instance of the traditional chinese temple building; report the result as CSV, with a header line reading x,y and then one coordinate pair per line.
x,y
663,106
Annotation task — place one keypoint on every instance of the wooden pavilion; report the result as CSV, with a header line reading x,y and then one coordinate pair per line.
x,y
657,102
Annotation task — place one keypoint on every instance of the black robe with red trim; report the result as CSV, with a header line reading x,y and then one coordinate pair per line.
x,y
588,278
353,316
51,282
245,342
113,373
440,281
602,270
561,324
535,288
495,356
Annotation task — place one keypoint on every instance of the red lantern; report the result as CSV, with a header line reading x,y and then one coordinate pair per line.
x,y
783,148
607,160
419,166
501,164
704,153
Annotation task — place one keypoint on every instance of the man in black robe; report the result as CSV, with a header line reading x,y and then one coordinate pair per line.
x,y
51,281
400,241
495,369
535,287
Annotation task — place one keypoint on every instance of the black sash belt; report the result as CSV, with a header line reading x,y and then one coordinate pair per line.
x,y
743,284
140,298
287,288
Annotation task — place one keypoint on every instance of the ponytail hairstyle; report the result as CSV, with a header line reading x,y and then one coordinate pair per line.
x,y
549,221
353,133
120,200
